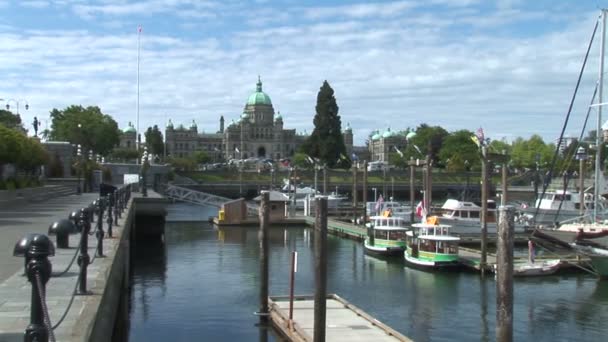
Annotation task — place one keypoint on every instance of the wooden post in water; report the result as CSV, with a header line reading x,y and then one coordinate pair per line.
x,y
355,181
294,255
505,188
581,186
429,183
364,194
504,275
325,180
484,209
320,270
263,238
412,193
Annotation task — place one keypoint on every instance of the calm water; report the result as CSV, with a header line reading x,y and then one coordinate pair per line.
x,y
203,285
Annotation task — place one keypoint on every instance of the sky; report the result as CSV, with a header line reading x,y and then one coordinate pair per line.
x,y
507,66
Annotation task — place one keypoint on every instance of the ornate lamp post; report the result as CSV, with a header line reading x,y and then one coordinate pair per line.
x,y
78,168
8,107
581,156
145,165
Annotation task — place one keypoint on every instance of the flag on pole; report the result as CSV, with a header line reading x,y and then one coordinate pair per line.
x,y
476,140
379,203
480,135
420,210
343,157
398,152
237,150
138,28
417,149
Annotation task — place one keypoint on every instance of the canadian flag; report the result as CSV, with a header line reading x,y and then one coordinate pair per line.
x,y
420,212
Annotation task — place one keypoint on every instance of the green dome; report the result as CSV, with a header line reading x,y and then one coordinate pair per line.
x,y
387,133
259,97
170,125
348,128
130,128
193,125
278,117
376,135
245,116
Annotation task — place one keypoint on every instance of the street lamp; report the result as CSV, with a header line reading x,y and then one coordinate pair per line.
x,y
78,168
8,107
144,169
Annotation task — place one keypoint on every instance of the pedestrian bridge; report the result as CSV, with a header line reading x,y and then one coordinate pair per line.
x,y
183,194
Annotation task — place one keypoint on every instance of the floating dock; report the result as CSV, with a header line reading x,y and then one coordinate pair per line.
x,y
345,322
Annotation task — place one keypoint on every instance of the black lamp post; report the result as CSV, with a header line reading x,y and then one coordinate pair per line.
x,y
145,165
79,168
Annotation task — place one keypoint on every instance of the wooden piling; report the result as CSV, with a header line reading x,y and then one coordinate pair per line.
x,y
325,180
355,181
581,185
320,270
429,183
504,275
412,194
484,209
364,195
263,238
505,188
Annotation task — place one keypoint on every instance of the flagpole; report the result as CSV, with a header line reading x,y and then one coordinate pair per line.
x,y
137,108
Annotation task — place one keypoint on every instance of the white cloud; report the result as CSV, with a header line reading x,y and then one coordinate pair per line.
x,y
399,70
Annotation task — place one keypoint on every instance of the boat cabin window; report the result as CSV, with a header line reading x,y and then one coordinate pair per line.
x,y
562,197
396,235
428,246
381,234
474,214
445,247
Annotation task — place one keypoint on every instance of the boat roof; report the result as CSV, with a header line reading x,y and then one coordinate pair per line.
x,y
453,204
380,217
434,237
427,225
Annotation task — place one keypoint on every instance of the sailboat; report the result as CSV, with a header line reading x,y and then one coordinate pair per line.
x,y
588,237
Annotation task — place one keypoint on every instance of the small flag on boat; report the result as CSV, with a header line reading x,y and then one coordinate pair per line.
x,y
379,203
420,212
417,149
237,150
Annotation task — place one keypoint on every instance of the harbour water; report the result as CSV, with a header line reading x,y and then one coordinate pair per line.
x,y
202,284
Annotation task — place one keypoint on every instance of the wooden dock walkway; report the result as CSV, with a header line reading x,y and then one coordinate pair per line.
x,y
341,228
345,322
471,258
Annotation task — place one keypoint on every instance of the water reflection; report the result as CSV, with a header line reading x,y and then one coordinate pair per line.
x,y
204,283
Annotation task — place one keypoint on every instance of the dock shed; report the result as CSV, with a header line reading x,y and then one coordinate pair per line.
x,y
278,203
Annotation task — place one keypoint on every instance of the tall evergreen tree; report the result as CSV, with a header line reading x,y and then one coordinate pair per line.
x,y
154,140
326,141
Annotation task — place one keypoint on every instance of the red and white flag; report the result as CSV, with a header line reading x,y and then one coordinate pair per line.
x,y
480,135
420,211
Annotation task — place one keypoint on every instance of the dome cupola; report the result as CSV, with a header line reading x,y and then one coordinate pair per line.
x,y
259,97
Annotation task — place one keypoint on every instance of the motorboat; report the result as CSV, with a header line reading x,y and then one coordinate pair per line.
x,y
465,217
431,246
386,235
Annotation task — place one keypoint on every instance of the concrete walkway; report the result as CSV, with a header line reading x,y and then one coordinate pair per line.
x,y
17,222
15,290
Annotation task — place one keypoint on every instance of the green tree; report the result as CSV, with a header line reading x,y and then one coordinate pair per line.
x,y
301,161
154,140
428,140
326,141
200,157
10,120
526,153
457,147
88,127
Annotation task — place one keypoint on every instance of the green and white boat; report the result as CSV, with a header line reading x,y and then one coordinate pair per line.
x,y
431,246
385,235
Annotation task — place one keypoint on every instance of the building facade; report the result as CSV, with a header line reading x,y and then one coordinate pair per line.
x,y
381,145
258,132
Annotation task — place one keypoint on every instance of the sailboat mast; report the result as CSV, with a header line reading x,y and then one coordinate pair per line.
x,y
598,132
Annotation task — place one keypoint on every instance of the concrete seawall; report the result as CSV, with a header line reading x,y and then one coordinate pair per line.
x,y
92,317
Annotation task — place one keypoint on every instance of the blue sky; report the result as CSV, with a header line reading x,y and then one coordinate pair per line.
x,y
508,66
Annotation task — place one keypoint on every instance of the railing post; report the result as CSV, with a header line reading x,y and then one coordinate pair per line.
x,y
83,258
111,205
100,233
37,248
